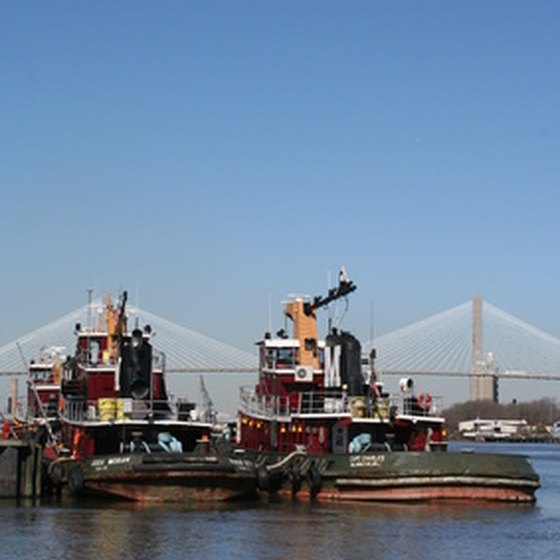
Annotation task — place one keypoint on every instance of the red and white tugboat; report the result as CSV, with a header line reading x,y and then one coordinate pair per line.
x,y
121,435
43,385
316,424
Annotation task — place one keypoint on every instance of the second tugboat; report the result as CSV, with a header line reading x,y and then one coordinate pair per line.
x,y
318,425
120,434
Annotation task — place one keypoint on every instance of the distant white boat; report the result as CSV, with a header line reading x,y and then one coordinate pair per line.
x,y
493,429
555,430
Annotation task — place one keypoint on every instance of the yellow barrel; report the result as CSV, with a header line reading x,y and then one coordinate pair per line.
x,y
359,407
119,409
107,409
383,408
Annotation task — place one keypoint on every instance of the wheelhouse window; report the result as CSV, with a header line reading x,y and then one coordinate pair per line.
x,y
279,358
40,375
286,358
94,351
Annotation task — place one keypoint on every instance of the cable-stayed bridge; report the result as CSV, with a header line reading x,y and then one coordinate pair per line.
x,y
472,339
185,350
443,344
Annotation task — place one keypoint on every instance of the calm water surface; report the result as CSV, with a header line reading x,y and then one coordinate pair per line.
x,y
285,530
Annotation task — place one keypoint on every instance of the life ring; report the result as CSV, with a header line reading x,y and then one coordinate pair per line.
x,y
425,401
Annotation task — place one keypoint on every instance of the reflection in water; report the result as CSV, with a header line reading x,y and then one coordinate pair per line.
x,y
284,530
110,534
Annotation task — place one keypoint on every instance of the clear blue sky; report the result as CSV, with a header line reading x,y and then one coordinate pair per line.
x,y
223,154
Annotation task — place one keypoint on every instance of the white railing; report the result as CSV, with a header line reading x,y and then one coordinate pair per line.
x,y
335,402
116,409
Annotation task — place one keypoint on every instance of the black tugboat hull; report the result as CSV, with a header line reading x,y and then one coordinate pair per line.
x,y
405,477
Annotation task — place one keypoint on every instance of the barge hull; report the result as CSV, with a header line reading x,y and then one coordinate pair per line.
x,y
160,477
410,477
407,492
170,487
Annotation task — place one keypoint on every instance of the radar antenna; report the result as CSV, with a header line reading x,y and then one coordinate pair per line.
x,y
345,287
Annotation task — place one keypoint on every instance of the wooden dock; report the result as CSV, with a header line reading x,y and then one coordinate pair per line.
x,y
20,469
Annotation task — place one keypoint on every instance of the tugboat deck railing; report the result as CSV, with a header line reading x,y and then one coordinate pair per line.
x,y
333,403
80,410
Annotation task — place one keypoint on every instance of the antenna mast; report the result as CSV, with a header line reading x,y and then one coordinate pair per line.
x,y
89,311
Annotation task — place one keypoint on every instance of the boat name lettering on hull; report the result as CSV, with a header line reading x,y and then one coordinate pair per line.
x,y
102,464
366,461
118,460
242,465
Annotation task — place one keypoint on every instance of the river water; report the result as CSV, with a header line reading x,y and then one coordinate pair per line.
x,y
284,530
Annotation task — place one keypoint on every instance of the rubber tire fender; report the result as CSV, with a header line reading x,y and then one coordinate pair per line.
x,y
263,478
314,480
55,475
76,484
294,476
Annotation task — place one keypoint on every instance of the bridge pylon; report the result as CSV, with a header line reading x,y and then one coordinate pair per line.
x,y
483,381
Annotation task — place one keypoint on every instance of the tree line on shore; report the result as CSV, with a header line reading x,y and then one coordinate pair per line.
x,y
539,413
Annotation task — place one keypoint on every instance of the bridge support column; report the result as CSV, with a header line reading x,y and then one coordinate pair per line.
x,y
482,381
